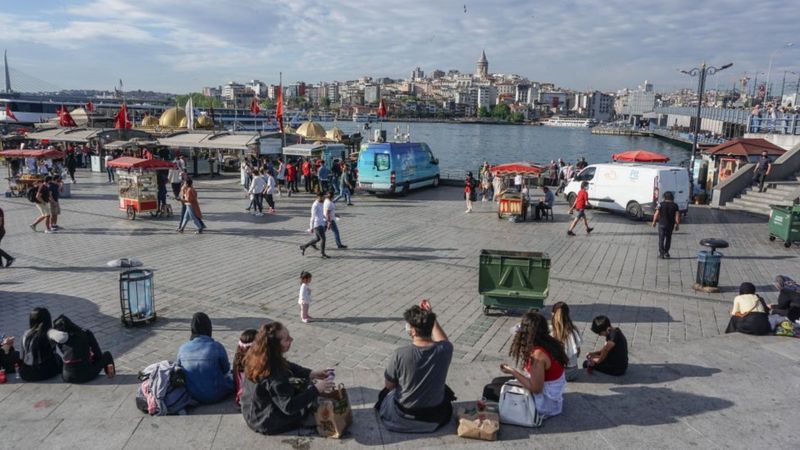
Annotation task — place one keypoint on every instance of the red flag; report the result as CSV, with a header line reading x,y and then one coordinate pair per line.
x,y
90,106
381,109
279,108
254,108
65,118
9,114
121,119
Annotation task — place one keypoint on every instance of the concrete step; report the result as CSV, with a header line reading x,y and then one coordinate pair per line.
x,y
737,207
768,197
753,205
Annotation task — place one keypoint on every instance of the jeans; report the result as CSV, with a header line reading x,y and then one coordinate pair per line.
x,y
664,239
319,236
307,182
335,230
759,179
335,184
345,192
258,202
110,172
189,214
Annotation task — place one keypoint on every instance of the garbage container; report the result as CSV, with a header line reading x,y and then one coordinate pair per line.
x,y
513,279
708,263
137,297
784,224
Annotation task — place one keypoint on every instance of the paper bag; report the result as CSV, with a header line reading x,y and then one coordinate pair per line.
x,y
333,414
474,424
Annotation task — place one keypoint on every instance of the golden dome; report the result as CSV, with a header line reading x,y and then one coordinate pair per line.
x,y
205,122
334,134
184,123
172,118
289,130
311,130
150,122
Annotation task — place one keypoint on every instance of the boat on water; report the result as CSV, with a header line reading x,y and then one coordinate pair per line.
x,y
365,117
30,111
324,116
569,122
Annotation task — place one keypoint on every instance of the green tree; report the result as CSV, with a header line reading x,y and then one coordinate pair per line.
x,y
325,102
483,112
198,100
516,117
501,111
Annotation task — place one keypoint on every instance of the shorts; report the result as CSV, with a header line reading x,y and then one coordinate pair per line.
x,y
280,182
581,214
44,209
55,208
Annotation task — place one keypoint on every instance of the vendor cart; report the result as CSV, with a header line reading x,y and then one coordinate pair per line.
x,y
512,203
25,177
138,186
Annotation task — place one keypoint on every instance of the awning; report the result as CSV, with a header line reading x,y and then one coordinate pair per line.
x,y
131,143
639,156
226,141
65,134
39,154
303,150
522,168
138,163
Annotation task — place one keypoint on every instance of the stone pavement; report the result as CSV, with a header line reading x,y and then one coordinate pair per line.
x,y
689,384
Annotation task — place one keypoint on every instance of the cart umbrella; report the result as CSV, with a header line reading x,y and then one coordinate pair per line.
x,y
138,163
639,156
39,154
523,168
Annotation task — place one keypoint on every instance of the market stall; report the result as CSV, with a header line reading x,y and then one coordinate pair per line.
x,y
511,202
27,167
138,186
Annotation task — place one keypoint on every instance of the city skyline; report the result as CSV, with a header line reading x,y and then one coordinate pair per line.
x,y
165,46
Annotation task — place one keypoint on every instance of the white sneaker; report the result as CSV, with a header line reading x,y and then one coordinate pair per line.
x,y
467,211
49,231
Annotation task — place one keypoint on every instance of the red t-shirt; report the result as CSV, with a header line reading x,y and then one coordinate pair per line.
x,y
290,172
582,200
306,168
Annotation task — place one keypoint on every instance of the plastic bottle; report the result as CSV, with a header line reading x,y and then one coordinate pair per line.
x,y
2,376
16,371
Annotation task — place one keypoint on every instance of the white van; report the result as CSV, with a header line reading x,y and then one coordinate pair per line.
x,y
634,189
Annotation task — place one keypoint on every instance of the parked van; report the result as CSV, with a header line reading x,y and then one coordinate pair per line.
x,y
392,167
634,189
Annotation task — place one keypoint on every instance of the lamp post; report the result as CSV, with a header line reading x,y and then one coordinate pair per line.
x,y
769,68
701,73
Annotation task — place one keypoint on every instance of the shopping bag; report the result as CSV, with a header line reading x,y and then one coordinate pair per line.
x,y
474,424
517,406
333,414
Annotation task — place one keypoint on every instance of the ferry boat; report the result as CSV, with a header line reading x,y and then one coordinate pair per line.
x,y
569,122
28,111
364,117
323,116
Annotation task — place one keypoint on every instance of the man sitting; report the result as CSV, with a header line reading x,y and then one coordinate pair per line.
x,y
547,203
415,398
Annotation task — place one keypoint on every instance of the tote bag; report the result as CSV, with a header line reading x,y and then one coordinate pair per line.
x,y
517,406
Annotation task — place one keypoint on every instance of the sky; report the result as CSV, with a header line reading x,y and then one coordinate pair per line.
x,y
180,46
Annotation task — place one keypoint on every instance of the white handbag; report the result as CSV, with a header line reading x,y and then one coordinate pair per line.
x,y
517,406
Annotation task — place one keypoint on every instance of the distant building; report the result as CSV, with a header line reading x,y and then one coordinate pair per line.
x,y
233,90
372,94
436,74
258,88
639,102
487,96
482,67
214,92
333,92
596,105
417,74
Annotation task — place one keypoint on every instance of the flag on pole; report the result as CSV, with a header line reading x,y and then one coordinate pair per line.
x,y
382,109
279,108
189,114
121,119
65,118
254,108
90,106
9,114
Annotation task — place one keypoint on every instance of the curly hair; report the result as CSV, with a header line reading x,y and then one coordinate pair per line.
x,y
533,332
265,355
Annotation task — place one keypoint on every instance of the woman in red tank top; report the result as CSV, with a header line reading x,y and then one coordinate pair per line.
x,y
541,355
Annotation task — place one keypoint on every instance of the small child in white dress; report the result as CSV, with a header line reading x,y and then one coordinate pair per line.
x,y
304,300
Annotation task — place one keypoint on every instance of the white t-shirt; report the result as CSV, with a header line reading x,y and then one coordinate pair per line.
x,y
270,185
317,216
305,295
258,185
571,347
282,171
329,209
517,180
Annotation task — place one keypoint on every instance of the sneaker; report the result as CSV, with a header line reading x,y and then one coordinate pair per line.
x,y
49,231
10,261
341,246
304,320
33,227
570,233
589,230
349,204
303,250
666,255
467,211
324,256
55,227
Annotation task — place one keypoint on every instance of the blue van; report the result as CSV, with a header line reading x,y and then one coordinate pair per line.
x,y
392,167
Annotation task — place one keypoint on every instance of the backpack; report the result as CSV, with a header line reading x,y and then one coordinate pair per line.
x,y
175,399
31,194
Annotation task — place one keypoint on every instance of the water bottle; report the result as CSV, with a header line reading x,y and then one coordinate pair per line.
x,y
16,371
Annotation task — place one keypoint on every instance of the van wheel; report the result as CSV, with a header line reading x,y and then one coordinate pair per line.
x,y
436,181
634,211
571,198
406,189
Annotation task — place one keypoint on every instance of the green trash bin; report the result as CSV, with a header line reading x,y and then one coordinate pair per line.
x,y
513,280
784,224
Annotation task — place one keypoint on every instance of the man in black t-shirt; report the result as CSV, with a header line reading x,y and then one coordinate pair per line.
x,y
612,359
668,217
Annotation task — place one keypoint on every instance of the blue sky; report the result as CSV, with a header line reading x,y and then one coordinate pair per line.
x,y
180,46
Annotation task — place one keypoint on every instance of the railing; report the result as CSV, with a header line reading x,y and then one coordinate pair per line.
x,y
737,116
783,168
686,137
779,124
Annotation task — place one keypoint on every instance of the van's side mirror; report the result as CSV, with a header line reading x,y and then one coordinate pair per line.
x,y
435,161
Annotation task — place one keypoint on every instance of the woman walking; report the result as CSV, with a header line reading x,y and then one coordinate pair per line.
x,y
193,213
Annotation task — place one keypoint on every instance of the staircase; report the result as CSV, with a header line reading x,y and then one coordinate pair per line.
x,y
775,193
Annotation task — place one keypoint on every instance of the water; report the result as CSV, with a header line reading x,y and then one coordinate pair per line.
x,y
462,147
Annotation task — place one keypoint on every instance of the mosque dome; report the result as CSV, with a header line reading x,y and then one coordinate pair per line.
x,y
150,122
172,118
205,122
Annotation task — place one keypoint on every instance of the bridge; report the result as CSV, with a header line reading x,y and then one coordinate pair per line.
x,y
730,122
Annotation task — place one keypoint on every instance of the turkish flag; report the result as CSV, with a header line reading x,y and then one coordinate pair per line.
x,y
279,108
90,106
381,109
9,114
121,119
254,108
65,118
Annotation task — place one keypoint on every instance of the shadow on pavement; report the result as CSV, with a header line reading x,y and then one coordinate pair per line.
x,y
650,374
356,320
619,313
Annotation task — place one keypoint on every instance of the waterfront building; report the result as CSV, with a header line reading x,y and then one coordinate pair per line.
x,y
482,67
372,94
556,101
333,92
214,92
596,105
259,88
638,103
233,90
506,88
486,96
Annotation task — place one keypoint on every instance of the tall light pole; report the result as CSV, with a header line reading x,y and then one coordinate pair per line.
x,y
769,69
701,73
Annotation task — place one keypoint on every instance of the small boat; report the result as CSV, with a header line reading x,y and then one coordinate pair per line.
x,y
569,122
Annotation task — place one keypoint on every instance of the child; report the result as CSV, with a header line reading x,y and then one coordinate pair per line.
x,y
564,331
612,359
468,194
9,357
245,342
305,296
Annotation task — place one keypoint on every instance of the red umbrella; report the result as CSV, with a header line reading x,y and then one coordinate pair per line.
x,y
39,154
523,168
127,162
639,156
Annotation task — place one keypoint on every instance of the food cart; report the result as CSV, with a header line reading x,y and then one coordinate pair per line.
x,y
510,202
26,176
138,185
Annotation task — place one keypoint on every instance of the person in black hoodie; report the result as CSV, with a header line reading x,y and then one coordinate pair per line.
x,y
83,359
39,358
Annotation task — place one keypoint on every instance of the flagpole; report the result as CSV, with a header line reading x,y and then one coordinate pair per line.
x,y
235,112
280,97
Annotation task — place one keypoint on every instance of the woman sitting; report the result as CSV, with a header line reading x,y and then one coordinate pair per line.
x,y
543,359
749,314
9,358
271,402
39,358
205,363
83,359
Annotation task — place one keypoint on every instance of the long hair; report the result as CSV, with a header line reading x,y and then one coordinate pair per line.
x,y
64,324
561,322
244,344
265,355
532,333
39,320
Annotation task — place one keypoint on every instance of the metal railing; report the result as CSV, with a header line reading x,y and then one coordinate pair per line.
x,y
736,116
778,124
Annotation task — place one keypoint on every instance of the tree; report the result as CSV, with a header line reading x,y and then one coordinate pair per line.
x,y
516,117
501,111
198,100
325,102
483,112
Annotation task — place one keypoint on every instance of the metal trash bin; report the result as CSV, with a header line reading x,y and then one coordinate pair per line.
x,y
513,280
137,297
708,265
784,224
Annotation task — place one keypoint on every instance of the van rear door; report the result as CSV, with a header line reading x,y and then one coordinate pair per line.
x,y
677,182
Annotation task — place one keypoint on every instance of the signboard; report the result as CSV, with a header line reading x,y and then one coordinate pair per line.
x,y
269,146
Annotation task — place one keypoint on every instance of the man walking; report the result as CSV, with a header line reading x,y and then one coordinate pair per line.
x,y
256,193
109,170
762,170
306,170
345,186
317,225
3,255
329,209
668,217
42,200
581,202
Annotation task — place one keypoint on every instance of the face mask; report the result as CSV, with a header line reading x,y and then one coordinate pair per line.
x,y
407,328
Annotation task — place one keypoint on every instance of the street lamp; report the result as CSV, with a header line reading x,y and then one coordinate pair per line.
x,y
783,83
769,69
701,73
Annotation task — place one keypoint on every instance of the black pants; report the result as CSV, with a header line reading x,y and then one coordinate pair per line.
x,y
759,179
270,201
3,255
539,212
664,239
8,360
307,182
607,368
176,189
319,236
258,204
81,373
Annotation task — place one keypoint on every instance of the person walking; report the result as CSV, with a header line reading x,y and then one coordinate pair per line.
x,y
668,218
55,208
306,168
468,194
256,193
345,186
581,202
269,191
109,170
3,255
72,164
291,178
193,212
280,176
762,170
329,210
175,180
42,200
317,225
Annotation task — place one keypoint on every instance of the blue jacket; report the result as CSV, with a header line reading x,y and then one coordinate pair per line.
x,y
207,369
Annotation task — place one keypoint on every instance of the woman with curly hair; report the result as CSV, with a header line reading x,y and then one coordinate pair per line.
x,y
542,358
271,402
